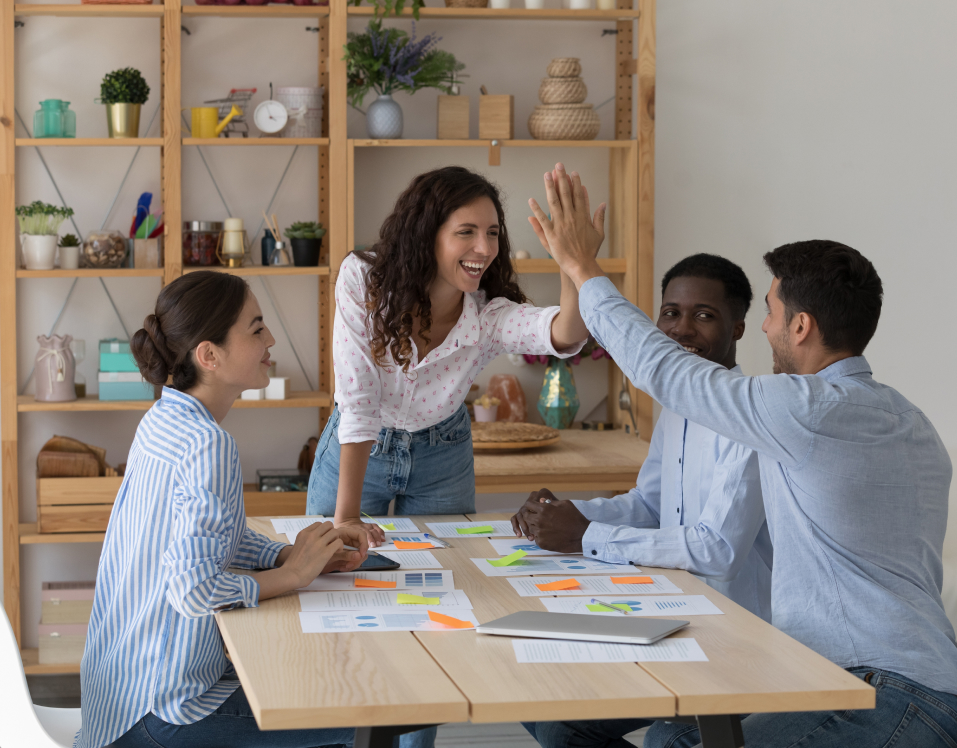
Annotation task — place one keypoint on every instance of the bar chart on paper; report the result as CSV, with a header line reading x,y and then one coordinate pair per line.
x,y
529,586
354,621
381,600
669,605
499,528
538,565
431,581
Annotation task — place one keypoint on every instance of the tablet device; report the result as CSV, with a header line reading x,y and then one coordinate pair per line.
x,y
617,629
375,562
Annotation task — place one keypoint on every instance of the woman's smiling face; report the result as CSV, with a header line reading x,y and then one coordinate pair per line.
x,y
466,244
244,359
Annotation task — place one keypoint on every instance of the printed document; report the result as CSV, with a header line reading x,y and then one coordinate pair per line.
x,y
501,528
594,586
336,622
427,581
570,565
504,546
327,600
412,559
636,605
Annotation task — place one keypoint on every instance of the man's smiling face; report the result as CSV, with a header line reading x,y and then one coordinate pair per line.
x,y
696,313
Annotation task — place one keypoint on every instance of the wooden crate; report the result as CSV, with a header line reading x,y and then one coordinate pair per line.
x,y
75,504
496,117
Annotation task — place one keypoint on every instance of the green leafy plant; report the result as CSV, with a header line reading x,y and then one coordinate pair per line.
x,y
126,86
305,230
383,8
389,60
69,240
40,218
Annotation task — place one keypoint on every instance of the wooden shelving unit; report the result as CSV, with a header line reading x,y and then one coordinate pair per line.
x,y
630,234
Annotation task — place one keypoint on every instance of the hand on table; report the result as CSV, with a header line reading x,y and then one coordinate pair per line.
x,y
374,533
553,524
572,235
346,560
315,547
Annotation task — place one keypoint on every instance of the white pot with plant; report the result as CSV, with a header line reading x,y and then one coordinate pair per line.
x,y
69,252
39,224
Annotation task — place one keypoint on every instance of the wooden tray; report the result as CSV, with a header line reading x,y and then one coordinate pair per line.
x,y
502,435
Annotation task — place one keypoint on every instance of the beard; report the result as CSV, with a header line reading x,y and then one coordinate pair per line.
x,y
781,354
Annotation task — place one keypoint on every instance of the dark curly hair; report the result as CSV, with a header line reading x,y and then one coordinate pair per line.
x,y
403,264
195,307
737,288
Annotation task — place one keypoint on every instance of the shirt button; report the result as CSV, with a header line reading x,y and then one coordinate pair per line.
x,y
679,460
678,510
594,553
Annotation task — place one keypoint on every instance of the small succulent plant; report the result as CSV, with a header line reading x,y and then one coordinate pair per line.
x,y
305,230
69,240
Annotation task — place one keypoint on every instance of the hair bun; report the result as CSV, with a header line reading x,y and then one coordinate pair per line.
x,y
149,350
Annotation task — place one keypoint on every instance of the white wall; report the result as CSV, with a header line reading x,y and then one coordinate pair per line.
x,y
775,122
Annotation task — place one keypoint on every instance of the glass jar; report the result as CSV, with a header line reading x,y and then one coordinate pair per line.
x,y
104,249
199,242
69,120
48,120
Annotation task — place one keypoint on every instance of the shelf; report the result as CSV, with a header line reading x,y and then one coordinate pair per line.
x,y
93,273
255,141
90,142
610,265
32,666
476,143
27,404
263,270
514,14
257,11
30,536
90,11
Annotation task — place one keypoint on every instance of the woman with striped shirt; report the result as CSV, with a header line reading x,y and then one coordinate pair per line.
x,y
154,672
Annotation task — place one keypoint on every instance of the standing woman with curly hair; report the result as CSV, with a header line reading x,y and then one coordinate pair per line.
x,y
154,671
418,316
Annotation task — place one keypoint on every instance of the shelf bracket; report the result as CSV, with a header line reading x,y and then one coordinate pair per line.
x,y
495,153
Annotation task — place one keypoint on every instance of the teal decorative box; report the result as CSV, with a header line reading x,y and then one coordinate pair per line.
x,y
115,356
124,385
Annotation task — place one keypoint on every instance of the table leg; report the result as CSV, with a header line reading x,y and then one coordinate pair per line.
x,y
717,730
381,736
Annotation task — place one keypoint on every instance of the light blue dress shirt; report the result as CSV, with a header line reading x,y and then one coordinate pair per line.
x,y
855,482
178,523
697,505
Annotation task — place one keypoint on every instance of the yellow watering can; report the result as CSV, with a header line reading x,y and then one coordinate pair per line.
x,y
204,121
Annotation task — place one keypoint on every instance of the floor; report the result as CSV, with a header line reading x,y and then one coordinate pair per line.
x,y
64,691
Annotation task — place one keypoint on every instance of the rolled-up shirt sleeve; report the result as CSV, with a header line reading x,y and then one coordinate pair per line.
x,y
256,551
201,549
522,328
358,388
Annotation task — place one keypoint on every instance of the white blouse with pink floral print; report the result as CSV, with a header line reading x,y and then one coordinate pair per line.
x,y
370,397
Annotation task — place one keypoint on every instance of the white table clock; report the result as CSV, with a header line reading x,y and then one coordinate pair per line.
x,y
270,117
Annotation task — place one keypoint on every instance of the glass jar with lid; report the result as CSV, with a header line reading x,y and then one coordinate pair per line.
x,y
199,242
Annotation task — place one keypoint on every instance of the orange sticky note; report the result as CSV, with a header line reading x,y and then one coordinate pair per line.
x,y
561,584
374,583
632,580
455,623
404,545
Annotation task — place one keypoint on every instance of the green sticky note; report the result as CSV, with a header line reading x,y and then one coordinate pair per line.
x,y
390,526
601,609
406,599
474,530
508,560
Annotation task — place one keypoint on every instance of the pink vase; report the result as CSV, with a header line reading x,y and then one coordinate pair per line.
x,y
54,369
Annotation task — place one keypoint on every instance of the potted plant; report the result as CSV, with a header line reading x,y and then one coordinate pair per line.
x,y
69,252
124,92
383,8
389,60
39,224
306,238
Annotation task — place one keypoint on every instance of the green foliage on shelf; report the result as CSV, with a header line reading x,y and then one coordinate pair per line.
x,y
385,8
69,240
389,60
305,230
126,86
39,218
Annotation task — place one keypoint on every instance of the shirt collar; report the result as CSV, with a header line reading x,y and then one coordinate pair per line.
x,y
178,399
462,335
846,367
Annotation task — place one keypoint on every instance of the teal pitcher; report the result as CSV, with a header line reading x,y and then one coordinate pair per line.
x,y
48,121
558,402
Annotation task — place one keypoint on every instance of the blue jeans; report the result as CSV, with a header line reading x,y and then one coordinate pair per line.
x,y
431,471
230,726
907,715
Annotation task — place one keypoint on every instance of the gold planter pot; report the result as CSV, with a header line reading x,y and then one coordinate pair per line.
x,y
123,120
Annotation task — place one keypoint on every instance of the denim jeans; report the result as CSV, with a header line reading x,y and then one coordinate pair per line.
x,y
230,726
907,715
431,471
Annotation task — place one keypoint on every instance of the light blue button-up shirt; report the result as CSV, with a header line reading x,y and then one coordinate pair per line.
x,y
697,505
855,482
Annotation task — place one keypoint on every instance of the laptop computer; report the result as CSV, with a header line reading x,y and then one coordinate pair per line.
x,y
577,627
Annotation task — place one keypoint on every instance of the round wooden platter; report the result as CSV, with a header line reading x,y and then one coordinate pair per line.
x,y
501,436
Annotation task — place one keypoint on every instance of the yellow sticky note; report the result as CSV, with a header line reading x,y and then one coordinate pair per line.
x,y
601,609
390,526
632,580
404,545
455,623
406,599
511,558
475,530
374,583
561,584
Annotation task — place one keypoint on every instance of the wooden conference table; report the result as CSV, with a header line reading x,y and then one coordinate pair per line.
x,y
386,683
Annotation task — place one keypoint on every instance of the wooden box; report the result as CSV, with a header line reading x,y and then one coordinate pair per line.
x,y
66,602
75,504
62,643
148,253
496,117
453,118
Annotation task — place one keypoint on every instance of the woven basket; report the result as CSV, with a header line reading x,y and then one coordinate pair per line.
x,y
562,91
466,3
564,122
564,67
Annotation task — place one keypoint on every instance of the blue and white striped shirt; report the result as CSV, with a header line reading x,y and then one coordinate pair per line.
x,y
178,523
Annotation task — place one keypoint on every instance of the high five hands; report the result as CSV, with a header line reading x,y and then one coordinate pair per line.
x,y
572,235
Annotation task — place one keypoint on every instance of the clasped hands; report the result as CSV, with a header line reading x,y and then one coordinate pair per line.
x,y
553,524
319,549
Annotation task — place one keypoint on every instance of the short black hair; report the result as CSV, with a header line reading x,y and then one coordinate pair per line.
x,y
737,288
835,284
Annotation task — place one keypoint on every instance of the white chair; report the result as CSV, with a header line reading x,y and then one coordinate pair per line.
x,y
22,723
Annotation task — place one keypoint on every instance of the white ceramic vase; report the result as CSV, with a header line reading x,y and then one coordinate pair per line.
x,y
69,258
384,119
39,251
500,4
580,4
534,4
